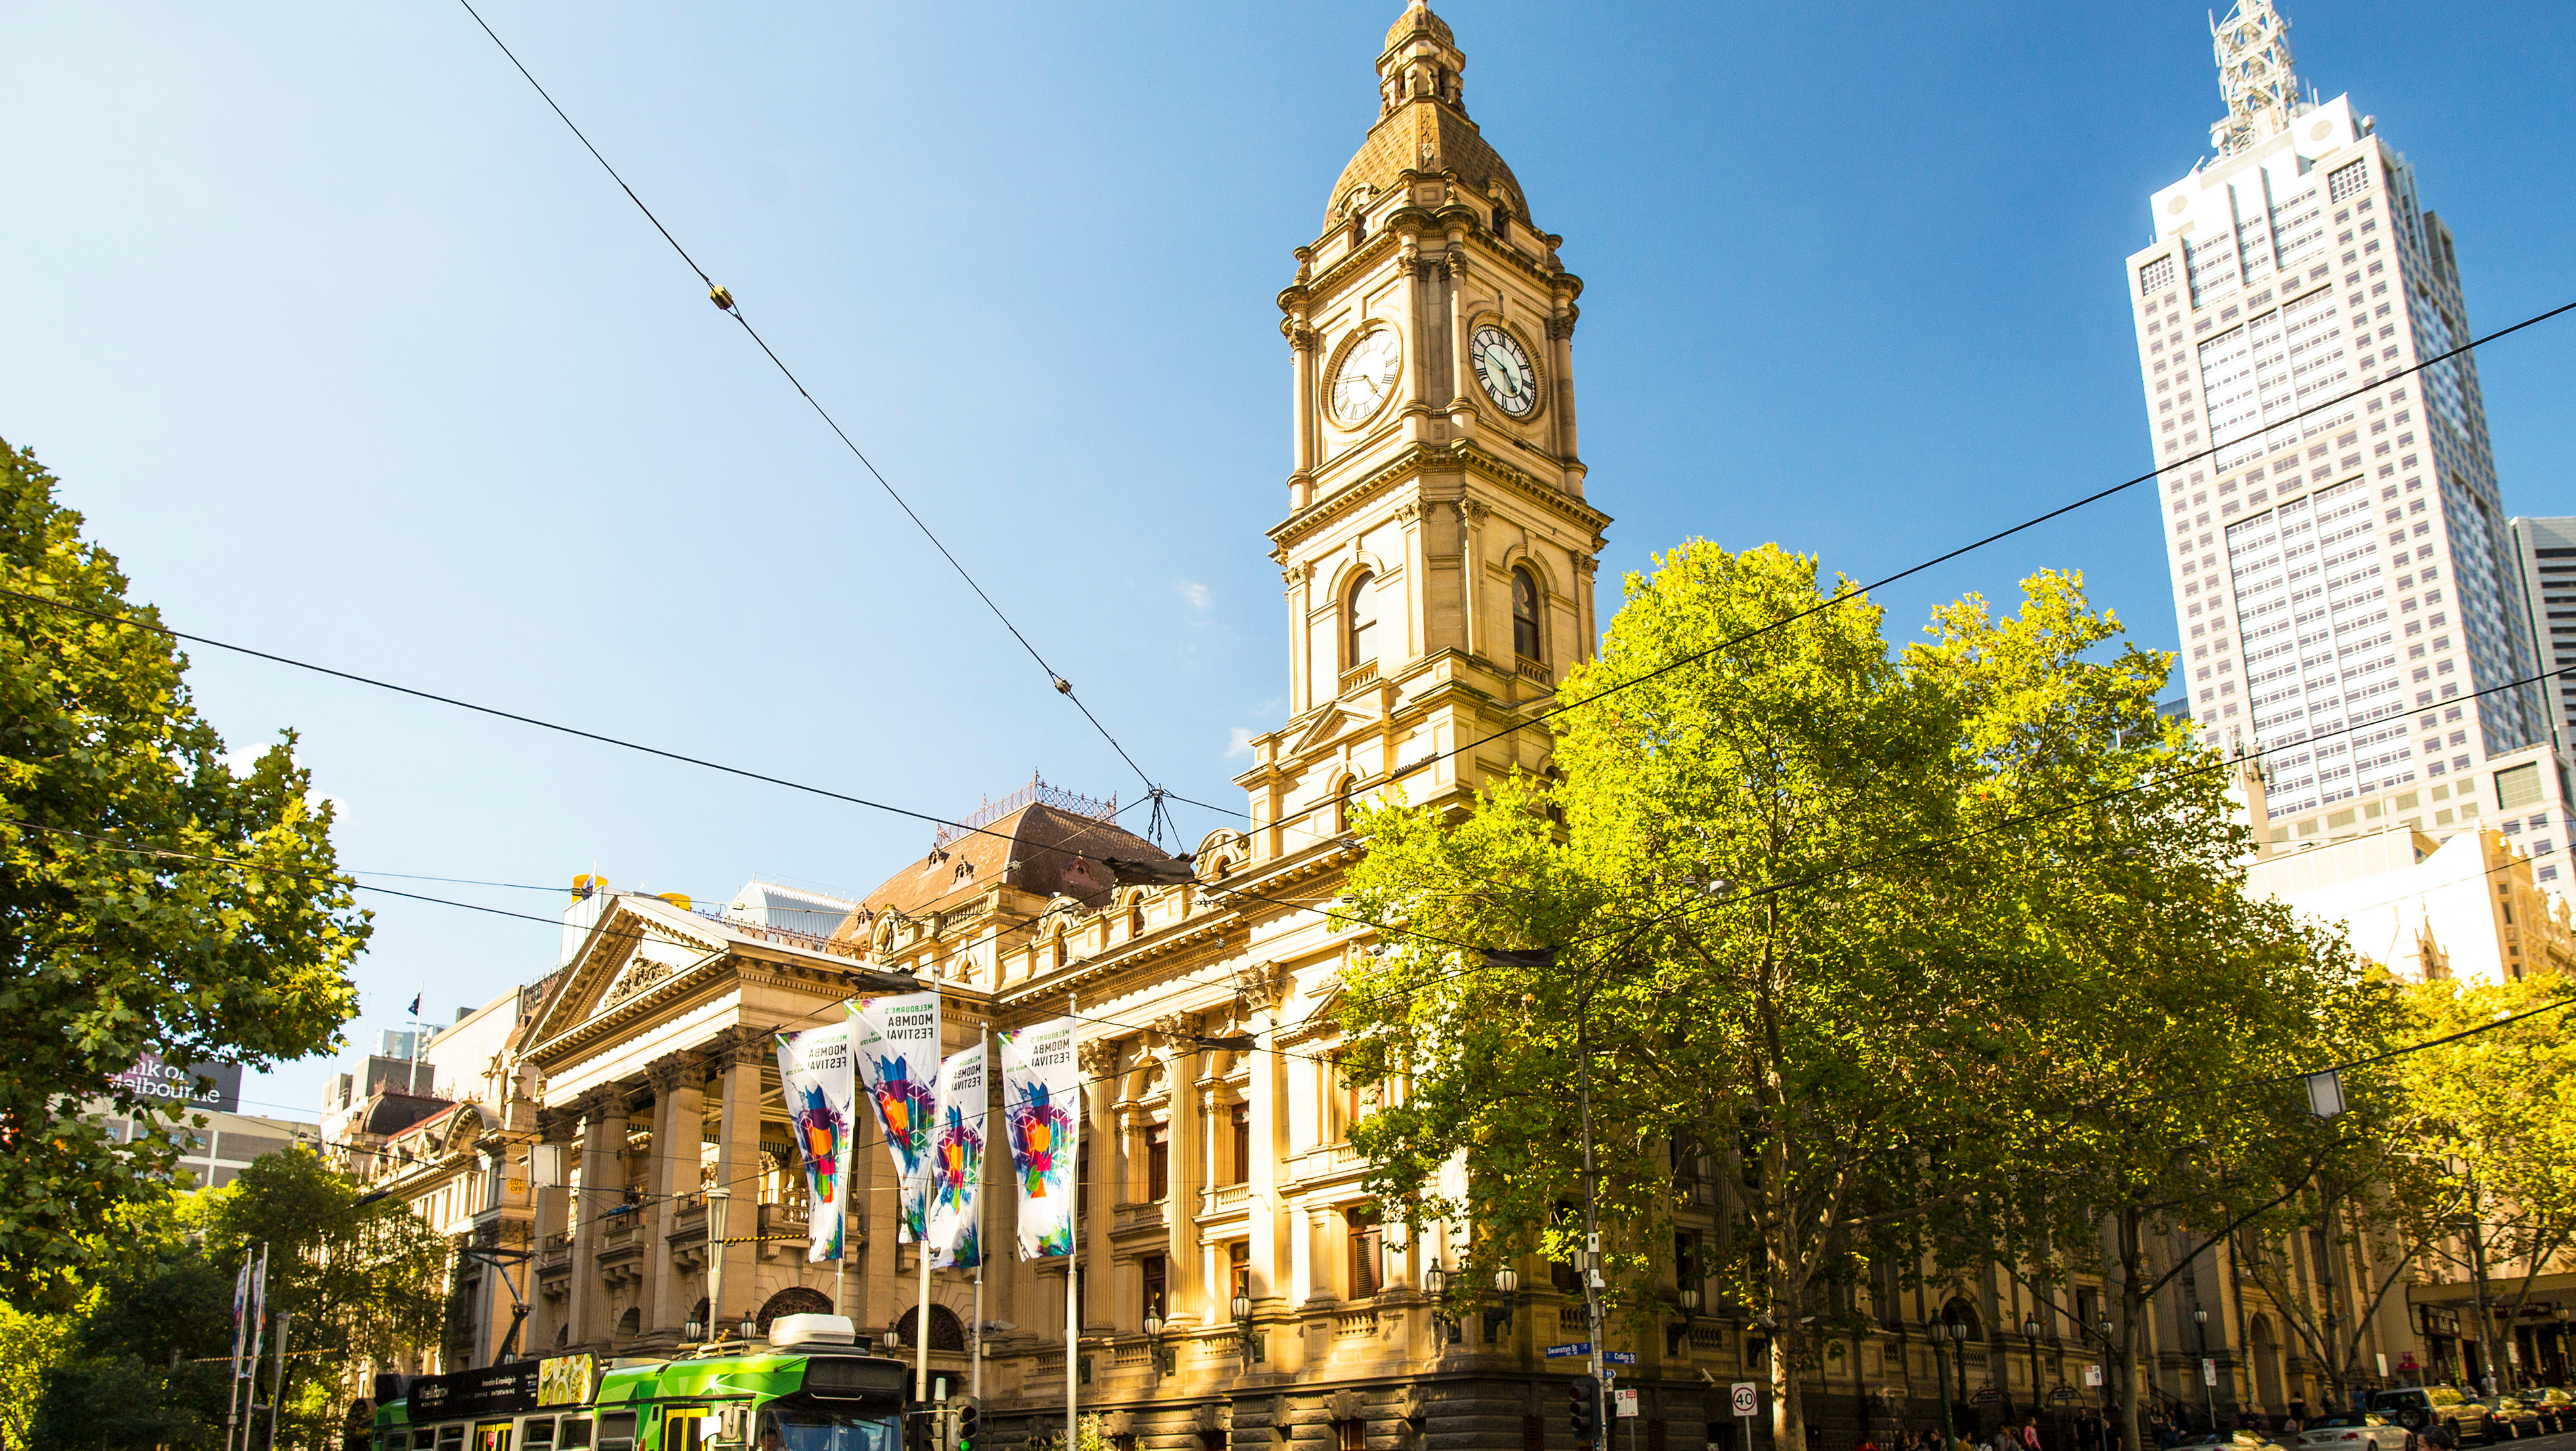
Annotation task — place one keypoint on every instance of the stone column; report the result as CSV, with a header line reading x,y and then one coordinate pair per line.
x,y
1263,986
1462,375
1102,1170
1471,578
603,1133
1301,345
1560,337
1186,1298
550,1214
679,1105
738,1170
1319,1254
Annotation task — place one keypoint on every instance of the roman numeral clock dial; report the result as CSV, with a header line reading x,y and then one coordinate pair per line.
x,y
1366,378
1505,371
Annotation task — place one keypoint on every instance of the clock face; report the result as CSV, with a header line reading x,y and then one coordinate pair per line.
x,y
1366,377
1504,370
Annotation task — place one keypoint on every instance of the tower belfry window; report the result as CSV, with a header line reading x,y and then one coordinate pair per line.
x,y
1525,640
1360,612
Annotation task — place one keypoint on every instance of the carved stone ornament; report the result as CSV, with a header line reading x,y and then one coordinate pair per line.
x,y
1473,510
1302,338
1218,1416
1408,512
640,976
1263,986
1346,1406
1179,1032
675,1071
1561,327
1099,1057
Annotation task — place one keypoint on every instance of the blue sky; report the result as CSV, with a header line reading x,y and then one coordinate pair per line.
x,y
347,349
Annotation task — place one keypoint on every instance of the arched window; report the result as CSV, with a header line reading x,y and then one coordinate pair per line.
x,y
1502,222
1342,807
1136,917
1059,949
795,1300
1359,614
1525,638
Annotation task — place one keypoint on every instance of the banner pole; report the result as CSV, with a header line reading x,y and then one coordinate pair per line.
x,y
983,1246
921,1326
1073,1247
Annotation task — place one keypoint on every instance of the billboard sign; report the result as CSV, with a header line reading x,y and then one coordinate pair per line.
x,y
214,1086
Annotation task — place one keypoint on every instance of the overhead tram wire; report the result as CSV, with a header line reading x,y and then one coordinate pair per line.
x,y
1845,596
725,300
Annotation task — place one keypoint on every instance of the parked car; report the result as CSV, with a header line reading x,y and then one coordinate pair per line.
x,y
2516,1418
2421,1408
2238,1440
2355,1431
2557,1407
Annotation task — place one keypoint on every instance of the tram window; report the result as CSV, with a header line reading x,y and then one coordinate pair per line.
x,y
537,1433
492,1436
423,1439
617,1432
576,1433
451,1438
687,1428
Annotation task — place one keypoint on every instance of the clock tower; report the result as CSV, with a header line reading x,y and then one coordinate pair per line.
x,y
1438,551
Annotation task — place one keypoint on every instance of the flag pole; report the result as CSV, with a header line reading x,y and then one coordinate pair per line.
x,y
983,1246
1073,1248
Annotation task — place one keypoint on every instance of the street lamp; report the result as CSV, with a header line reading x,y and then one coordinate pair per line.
x,y
1507,1283
1959,1355
1242,1308
2208,1392
1153,1342
1933,1331
1689,1300
2030,1333
1435,1283
2103,1325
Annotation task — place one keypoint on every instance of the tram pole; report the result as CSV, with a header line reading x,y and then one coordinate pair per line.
x,y
983,1249
1073,1255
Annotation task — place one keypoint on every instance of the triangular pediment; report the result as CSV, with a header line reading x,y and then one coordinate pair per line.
x,y
630,951
1320,733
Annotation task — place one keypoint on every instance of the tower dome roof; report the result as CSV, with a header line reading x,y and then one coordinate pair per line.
x,y
1418,19
1422,120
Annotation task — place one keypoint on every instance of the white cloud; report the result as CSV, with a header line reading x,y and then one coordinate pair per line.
x,y
1196,594
1240,742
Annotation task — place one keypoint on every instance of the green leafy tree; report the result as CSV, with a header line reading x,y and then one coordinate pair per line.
x,y
2496,1130
228,937
142,1361
30,1346
1859,925
364,1279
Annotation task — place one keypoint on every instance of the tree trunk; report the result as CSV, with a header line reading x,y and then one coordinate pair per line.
x,y
1788,1407
2121,1375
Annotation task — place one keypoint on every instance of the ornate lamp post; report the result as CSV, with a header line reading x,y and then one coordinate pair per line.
x,y
1242,1308
1507,1283
1153,1343
2030,1334
2103,1325
1959,1355
1435,1283
2208,1392
1936,1331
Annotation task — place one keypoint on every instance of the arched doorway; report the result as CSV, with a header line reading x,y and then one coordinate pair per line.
x,y
794,1300
947,1332
629,1325
2265,1349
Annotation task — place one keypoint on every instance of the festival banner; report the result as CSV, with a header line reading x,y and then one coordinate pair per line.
x,y
241,1304
814,1072
1042,1108
895,1042
957,1163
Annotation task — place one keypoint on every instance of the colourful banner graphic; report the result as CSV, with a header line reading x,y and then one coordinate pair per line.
x,y
895,1042
814,1072
957,1163
1042,1108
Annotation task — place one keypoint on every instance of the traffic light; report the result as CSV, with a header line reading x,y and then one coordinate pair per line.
x,y
1583,1408
968,1414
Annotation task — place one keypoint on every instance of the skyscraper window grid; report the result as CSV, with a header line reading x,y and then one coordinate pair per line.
x,y
2310,269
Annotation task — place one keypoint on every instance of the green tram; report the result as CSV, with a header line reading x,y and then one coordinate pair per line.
x,y
810,1389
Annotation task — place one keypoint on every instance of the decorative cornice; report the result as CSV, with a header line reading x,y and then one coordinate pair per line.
x,y
1417,458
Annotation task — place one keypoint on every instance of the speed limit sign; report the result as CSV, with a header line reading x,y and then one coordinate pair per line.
x,y
1748,1398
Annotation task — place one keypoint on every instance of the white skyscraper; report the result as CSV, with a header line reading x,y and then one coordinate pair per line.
x,y
2341,572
